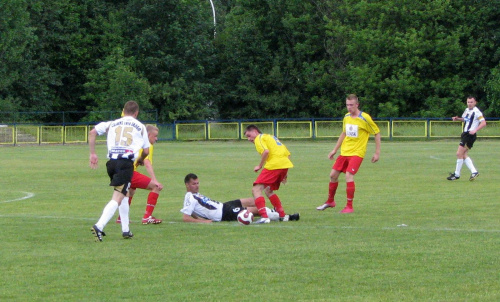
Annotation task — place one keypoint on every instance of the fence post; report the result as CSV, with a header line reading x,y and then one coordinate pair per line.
x,y
239,129
207,134
313,125
174,136
390,128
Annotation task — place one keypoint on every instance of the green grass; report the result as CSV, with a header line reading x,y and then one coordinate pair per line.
x,y
447,252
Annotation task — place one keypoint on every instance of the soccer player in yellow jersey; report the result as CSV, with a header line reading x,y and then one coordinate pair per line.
x,y
275,159
141,181
356,129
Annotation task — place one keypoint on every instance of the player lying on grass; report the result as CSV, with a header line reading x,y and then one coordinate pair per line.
x,y
201,209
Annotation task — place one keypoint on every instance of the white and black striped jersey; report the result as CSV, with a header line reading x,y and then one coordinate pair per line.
x,y
126,137
202,206
472,118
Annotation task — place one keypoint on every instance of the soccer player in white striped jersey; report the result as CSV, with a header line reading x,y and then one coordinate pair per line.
x,y
202,209
125,137
473,120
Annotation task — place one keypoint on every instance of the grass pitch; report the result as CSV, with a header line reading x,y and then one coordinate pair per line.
x,y
414,236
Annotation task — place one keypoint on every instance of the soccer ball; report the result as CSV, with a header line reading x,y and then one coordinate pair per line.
x,y
245,217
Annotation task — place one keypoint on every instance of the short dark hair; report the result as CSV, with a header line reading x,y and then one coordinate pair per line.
x,y
189,177
130,108
252,127
472,97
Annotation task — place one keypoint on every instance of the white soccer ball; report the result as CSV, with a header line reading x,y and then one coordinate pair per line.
x,y
245,217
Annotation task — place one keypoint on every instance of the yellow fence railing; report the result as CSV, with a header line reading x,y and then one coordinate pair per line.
x,y
7,135
234,130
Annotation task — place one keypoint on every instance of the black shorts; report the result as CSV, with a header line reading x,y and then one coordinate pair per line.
x,y
120,172
231,209
467,140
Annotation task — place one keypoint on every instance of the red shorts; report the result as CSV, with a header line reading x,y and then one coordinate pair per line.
x,y
271,178
349,164
140,181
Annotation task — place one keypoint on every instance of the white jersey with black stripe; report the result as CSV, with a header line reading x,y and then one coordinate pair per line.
x,y
472,118
126,137
202,206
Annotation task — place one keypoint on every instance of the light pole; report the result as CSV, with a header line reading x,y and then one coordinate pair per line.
x,y
213,12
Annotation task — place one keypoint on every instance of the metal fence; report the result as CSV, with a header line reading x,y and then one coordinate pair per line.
x,y
394,128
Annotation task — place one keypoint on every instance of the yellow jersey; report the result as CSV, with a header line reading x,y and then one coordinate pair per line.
x,y
149,157
278,153
357,130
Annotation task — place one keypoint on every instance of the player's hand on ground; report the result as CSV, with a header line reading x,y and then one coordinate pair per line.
x,y
93,160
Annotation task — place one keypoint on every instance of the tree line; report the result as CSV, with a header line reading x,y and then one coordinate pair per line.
x,y
261,59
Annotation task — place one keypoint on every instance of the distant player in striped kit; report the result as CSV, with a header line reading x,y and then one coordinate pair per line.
x,y
473,120
141,181
125,137
274,162
357,127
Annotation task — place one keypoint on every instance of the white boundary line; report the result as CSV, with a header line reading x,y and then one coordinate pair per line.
x,y
28,195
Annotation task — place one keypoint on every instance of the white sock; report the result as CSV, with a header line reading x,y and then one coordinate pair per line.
x,y
107,214
124,210
460,162
470,165
272,214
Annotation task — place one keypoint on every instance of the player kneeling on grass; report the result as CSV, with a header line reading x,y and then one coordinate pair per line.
x,y
202,209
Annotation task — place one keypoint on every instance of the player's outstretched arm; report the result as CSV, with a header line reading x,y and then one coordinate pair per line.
x,y
263,159
376,155
337,146
188,218
154,182
93,159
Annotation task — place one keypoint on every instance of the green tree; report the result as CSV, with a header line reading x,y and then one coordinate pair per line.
x,y
270,60
407,58
112,84
493,93
16,38
171,43
72,37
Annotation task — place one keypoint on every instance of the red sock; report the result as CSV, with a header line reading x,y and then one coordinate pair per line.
x,y
332,189
276,202
260,203
350,193
152,200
